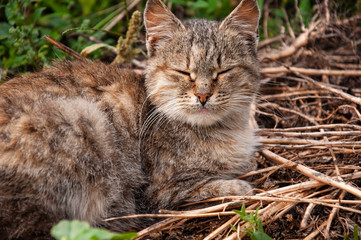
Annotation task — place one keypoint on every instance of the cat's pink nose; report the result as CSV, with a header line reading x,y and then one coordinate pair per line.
x,y
203,98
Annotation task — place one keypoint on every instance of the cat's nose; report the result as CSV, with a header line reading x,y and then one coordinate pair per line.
x,y
203,97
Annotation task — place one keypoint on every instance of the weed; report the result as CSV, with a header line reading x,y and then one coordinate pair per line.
x,y
355,234
23,23
75,230
255,231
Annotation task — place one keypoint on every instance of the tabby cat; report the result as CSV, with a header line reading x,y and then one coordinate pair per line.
x,y
88,141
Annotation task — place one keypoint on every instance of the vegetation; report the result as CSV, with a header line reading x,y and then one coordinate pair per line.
x,y
75,230
355,234
23,23
255,231
81,23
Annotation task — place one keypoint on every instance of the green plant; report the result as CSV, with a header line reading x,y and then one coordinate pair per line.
x,y
76,230
278,12
210,9
355,234
23,23
20,44
255,231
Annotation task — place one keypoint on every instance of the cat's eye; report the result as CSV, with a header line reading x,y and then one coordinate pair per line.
x,y
225,71
186,74
222,72
183,73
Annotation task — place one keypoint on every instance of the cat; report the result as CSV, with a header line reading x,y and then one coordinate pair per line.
x,y
88,141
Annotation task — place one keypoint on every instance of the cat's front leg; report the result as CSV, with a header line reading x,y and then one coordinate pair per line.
x,y
175,192
221,188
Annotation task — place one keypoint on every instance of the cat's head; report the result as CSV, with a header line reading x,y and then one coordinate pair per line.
x,y
200,71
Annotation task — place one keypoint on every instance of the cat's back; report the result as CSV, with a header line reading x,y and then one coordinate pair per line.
x,y
117,92
68,79
67,146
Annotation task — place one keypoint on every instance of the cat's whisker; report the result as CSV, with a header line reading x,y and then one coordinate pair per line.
x,y
84,140
149,121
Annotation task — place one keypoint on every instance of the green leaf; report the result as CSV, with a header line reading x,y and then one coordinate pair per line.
x,y
93,233
212,5
260,4
306,11
125,236
259,225
4,30
255,232
2,52
87,5
37,13
95,47
12,13
260,236
239,213
243,209
76,230
256,213
277,12
355,233
68,230
233,228
305,6
180,2
200,4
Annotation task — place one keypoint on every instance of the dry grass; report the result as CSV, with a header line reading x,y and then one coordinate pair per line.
x,y
308,120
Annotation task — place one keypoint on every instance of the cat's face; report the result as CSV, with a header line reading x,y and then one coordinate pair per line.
x,y
201,71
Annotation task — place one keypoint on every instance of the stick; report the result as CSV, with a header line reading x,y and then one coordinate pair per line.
x,y
263,170
290,30
241,199
307,215
332,215
269,41
65,49
115,20
226,225
264,132
308,142
156,227
310,71
182,215
300,41
312,173
307,128
262,197
316,232
333,90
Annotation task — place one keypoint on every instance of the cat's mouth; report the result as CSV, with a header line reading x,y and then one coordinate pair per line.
x,y
204,117
204,109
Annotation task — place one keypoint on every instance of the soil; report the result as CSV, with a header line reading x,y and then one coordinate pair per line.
x,y
289,103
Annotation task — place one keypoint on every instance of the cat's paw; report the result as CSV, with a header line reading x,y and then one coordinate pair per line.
x,y
221,188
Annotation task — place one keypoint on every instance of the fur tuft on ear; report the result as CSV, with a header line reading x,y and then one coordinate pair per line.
x,y
243,18
160,24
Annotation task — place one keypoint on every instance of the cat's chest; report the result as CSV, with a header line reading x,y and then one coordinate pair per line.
x,y
222,147
186,150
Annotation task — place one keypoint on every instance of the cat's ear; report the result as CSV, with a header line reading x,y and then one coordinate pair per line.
x,y
243,18
160,24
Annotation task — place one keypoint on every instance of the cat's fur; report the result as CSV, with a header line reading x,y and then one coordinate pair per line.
x,y
89,141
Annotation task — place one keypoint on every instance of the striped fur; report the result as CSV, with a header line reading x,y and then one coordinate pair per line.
x,y
88,141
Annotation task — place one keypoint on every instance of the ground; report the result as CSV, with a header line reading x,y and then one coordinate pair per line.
x,y
308,120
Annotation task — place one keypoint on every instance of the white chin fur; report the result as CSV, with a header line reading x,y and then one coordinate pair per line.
x,y
200,118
